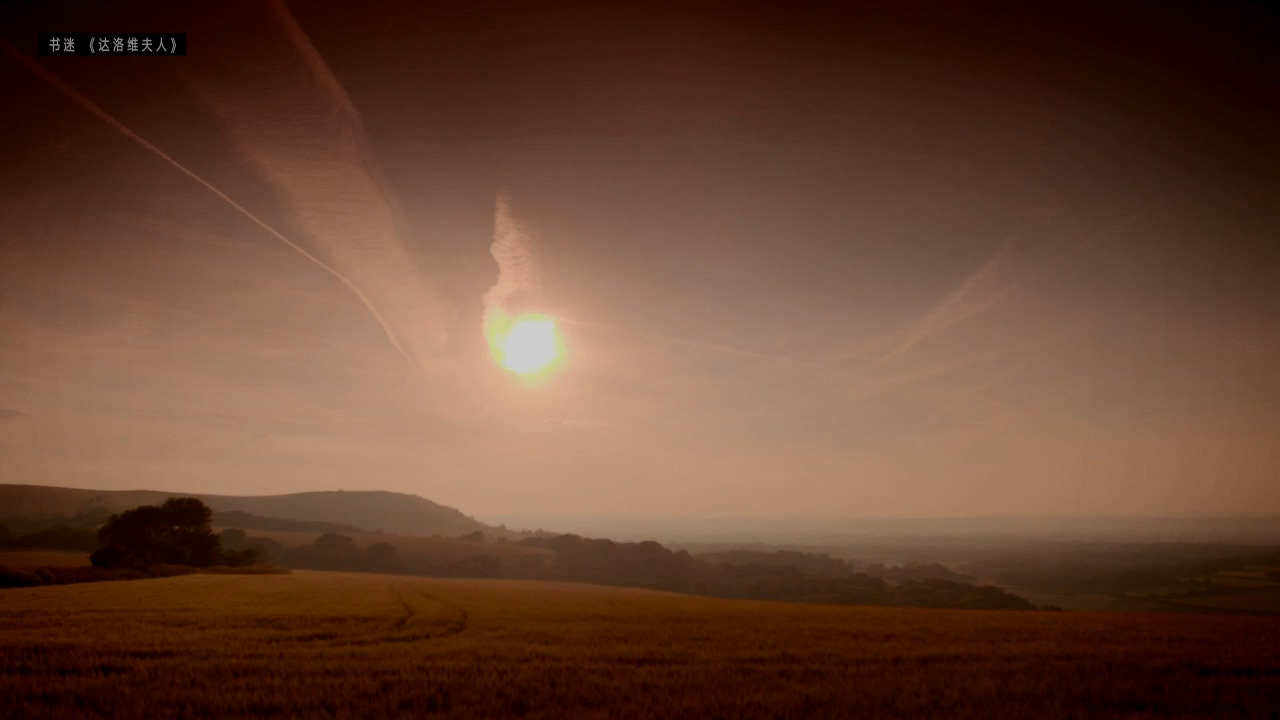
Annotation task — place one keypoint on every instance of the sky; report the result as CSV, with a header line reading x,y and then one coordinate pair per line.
x,y
806,259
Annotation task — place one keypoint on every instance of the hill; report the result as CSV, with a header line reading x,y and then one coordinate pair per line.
x,y
372,510
362,645
249,521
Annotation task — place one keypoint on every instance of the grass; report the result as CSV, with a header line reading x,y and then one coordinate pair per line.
x,y
359,645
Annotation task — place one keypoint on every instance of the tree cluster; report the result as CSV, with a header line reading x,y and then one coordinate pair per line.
x,y
179,532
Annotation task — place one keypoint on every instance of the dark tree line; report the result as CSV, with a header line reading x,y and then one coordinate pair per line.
x,y
59,537
784,575
179,533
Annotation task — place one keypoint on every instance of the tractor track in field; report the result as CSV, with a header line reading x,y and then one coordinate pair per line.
x,y
409,611
459,624
422,617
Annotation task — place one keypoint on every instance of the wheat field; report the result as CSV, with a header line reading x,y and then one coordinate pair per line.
x,y
322,644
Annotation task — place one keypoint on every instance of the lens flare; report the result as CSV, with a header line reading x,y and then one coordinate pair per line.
x,y
529,344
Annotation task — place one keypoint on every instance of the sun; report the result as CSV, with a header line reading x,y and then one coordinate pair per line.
x,y
528,344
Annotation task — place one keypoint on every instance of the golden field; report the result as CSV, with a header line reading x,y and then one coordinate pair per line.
x,y
358,645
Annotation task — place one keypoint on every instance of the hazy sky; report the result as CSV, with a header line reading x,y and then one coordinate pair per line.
x,y
805,260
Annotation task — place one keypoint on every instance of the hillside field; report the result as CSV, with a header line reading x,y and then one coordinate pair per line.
x,y
339,645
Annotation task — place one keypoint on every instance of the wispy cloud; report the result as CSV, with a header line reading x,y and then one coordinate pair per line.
x,y
519,275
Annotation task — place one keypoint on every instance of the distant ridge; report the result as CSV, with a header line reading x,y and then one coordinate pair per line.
x,y
374,510
248,521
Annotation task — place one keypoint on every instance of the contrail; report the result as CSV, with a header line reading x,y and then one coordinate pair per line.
x,y
968,299
324,74
963,302
123,129
304,134
875,384
203,317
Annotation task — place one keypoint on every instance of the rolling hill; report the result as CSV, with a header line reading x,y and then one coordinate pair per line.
x,y
389,512
249,521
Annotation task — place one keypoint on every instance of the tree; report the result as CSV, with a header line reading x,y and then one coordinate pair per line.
x,y
333,542
481,566
239,549
382,557
177,533
330,551
240,558
268,550
233,538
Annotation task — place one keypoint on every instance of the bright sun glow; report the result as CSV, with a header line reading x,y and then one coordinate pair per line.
x,y
528,344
